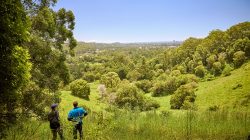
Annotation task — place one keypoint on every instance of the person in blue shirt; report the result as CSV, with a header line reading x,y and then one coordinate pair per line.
x,y
75,116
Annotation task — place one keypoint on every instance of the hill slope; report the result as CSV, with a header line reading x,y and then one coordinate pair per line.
x,y
226,92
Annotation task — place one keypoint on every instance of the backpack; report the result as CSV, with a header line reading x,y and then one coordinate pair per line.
x,y
54,120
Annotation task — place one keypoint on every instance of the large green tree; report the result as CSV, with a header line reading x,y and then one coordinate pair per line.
x,y
14,58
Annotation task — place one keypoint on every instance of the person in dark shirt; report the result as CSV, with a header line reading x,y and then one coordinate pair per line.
x,y
75,116
53,118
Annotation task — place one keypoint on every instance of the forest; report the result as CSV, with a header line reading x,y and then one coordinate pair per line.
x,y
192,89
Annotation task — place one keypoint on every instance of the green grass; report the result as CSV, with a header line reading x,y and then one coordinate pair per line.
x,y
223,91
93,103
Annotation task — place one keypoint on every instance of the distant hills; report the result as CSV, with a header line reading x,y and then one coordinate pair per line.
x,y
133,44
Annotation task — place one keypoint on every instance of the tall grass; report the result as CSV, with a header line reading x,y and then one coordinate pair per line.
x,y
134,125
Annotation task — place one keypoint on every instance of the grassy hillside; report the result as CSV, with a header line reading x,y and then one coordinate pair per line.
x,y
93,103
226,92
230,92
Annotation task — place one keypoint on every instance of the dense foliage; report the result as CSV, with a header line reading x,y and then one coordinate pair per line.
x,y
32,34
80,88
128,95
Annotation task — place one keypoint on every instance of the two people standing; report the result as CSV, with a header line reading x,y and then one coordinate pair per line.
x,y
75,116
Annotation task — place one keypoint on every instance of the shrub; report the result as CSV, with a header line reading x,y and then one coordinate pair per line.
x,y
110,80
90,77
128,95
239,58
159,89
150,104
80,88
122,72
144,85
171,84
200,71
227,70
134,75
209,77
175,73
183,96
102,91
217,68
35,100
213,108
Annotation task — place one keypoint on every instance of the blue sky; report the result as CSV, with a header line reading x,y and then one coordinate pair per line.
x,y
152,20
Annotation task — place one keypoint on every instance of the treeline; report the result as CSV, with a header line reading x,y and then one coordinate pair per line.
x,y
164,71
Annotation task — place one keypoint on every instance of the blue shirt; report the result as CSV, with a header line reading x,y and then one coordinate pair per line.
x,y
77,114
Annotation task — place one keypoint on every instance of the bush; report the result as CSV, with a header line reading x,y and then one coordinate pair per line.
x,y
159,89
184,97
217,68
102,91
200,71
35,100
88,76
175,73
165,87
110,80
213,108
239,58
150,104
128,95
144,85
209,77
171,84
227,70
80,88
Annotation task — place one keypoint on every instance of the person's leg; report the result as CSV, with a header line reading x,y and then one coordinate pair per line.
x,y
75,131
60,132
54,133
80,131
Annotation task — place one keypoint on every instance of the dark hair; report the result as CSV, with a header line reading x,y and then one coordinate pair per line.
x,y
75,103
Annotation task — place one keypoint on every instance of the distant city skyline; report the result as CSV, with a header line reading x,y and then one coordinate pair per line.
x,y
126,21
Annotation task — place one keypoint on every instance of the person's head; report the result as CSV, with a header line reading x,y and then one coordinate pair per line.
x,y
75,103
53,106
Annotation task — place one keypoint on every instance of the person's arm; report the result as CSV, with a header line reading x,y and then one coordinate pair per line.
x,y
57,115
85,113
70,118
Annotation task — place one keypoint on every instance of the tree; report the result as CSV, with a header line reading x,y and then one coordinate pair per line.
x,y
242,45
239,58
227,70
217,68
128,95
183,95
14,67
110,80
144,85
210,60
14,59
134,75
200,71
80,88
49,32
